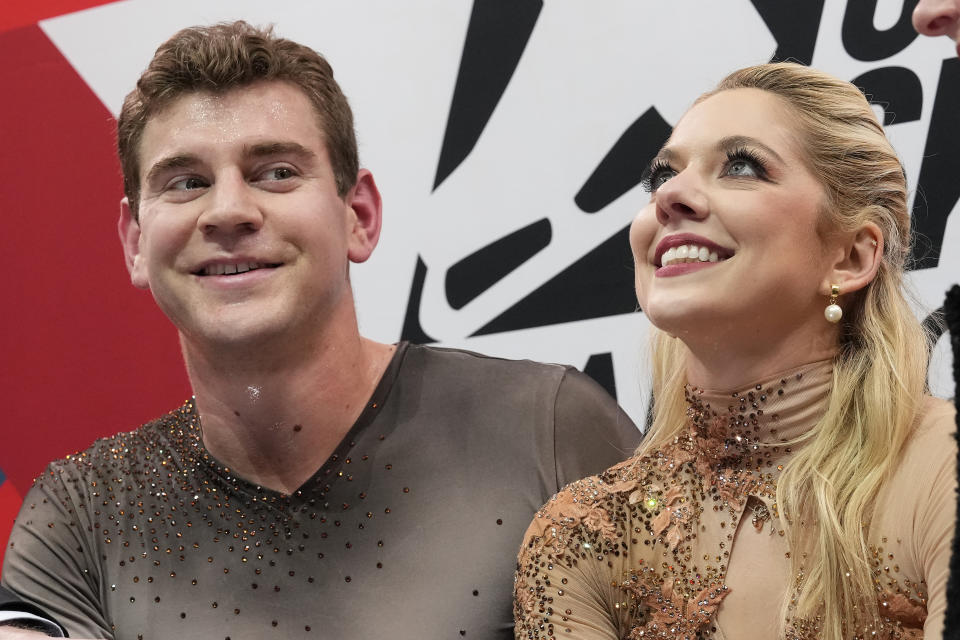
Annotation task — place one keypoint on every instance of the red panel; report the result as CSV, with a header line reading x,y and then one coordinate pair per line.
x,y
9,506
19,13
84,353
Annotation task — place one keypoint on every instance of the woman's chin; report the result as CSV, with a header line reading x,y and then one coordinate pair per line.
x,y
679,319
701,329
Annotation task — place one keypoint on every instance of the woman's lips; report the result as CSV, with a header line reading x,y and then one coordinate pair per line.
x,y
689,253
688,247
681,268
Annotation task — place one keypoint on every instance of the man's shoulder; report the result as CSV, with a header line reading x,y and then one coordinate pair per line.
x,y
463,360
468,375
121,449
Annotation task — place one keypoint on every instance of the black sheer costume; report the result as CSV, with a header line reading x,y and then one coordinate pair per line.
x,y
14,610
951,307
409,530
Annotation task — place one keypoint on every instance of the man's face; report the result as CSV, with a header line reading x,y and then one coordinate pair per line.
x,y
938,18
242,235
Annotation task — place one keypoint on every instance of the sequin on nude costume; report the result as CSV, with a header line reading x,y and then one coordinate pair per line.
x,y
649,549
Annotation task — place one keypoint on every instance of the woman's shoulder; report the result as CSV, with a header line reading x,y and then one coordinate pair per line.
x,y
935,429
929,455
594,503
938,414
621,481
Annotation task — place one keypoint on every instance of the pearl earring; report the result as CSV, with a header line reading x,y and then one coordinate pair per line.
x,y
833,312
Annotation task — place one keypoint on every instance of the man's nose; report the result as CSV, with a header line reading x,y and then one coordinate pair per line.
x,y
232,209
936,17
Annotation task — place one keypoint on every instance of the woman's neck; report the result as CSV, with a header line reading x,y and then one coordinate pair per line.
x,y
728,366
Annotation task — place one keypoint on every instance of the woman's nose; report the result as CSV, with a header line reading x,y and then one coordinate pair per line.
x,y
682,196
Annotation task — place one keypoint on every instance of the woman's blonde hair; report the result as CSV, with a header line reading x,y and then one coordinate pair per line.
x,y
830,485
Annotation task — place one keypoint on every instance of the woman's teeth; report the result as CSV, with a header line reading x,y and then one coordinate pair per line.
x,y
688,253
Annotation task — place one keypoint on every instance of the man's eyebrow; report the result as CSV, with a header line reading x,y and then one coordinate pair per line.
x,y
170,162
278,148
260,150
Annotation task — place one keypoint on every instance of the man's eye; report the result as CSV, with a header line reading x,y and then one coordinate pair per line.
x,y
188,184
277,173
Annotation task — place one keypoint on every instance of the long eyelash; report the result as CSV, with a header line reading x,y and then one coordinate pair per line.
x,y
748,155
651,172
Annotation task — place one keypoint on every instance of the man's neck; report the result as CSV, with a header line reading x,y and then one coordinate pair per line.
x,y
274,420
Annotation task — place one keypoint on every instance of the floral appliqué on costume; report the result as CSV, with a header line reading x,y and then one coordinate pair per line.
x,y
643,547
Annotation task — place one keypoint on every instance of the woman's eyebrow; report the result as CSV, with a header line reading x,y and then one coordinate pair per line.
x,y
731,143
666,154
724,145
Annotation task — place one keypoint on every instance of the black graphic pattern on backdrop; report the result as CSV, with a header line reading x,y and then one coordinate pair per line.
x,y
896,89
600,368
600,283
862,40
482,269
412,330
938,187
617,172
794,24
496,37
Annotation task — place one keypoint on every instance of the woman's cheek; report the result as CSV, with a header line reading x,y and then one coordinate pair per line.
x,y
642,230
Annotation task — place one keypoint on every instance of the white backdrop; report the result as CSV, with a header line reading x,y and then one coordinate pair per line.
x,y
589,70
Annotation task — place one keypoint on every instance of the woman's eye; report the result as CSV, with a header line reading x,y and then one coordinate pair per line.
x,y
741,168
661,177
657,177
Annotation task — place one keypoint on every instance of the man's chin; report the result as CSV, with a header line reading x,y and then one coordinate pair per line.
x,y
234,337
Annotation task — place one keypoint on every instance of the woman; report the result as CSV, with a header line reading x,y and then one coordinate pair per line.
x,y
796,481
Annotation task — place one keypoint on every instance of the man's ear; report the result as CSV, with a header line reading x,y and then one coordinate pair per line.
x,y
129,229
364,199
858,258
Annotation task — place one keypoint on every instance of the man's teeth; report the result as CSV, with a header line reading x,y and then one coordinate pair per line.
x,y
230,269
688,253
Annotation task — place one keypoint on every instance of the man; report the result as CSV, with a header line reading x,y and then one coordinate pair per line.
x,y
942,18
21,620
938,18
319,484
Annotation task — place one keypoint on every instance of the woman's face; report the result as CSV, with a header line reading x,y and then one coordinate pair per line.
x,y
938,18
728,247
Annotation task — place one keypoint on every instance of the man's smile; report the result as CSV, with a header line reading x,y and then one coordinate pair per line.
x,y
233,268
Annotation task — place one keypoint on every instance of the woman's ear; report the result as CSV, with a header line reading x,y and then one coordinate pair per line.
x,y
858,259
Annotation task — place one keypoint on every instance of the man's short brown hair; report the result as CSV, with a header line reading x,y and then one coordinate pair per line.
x,y
226,56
